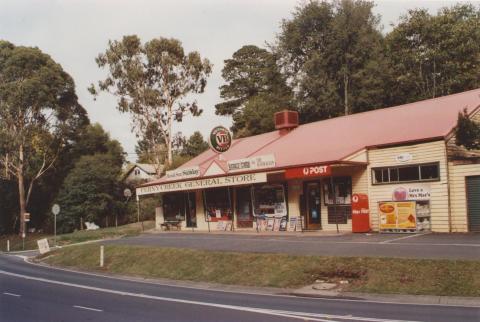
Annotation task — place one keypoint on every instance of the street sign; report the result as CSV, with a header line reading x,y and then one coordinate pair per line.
x,y
55,209
127,193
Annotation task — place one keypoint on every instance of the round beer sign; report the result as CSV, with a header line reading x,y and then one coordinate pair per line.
x,y
220,139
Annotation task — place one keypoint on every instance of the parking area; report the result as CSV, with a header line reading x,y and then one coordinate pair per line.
x,y
432,246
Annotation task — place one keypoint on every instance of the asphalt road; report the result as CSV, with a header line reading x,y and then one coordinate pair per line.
x,y
35,293
434,246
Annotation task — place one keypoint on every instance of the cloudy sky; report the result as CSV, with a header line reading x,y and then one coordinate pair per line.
x,y
73,32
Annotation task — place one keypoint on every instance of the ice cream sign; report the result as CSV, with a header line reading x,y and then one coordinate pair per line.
x,y
411,192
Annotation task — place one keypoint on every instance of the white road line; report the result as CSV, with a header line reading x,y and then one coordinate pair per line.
x,y
11,294
294,315
401,238
87,308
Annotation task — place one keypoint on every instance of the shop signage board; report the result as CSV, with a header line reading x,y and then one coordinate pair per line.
x,y
236,180
254,163
220,139
183,173
307,172
397,215
411,192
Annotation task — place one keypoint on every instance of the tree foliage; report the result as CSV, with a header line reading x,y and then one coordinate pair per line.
x,y
467,132
435,55
151,82
194,145
39,113
255,88
92,190
333,55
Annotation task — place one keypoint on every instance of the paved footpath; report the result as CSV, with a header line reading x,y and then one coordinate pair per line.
x,y
433,246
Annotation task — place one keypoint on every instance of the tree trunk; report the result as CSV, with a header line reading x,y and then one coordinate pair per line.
x,y
170,136
21,191
345,93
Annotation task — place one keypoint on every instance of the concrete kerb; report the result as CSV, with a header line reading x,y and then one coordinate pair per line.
x,y
252,233
62,246
308,291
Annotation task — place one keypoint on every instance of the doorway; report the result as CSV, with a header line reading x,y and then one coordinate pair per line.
x,y
244,207
190,210
313,205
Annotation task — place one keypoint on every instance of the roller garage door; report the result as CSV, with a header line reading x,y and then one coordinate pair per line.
x,y
473,203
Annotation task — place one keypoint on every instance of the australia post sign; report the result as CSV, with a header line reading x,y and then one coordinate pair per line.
x,y
310,171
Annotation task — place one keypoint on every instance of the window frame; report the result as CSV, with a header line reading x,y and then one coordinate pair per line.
x,y
389,168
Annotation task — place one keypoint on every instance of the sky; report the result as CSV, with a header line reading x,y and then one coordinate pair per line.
x,y
74,32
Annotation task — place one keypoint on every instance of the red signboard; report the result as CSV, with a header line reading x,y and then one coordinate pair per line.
x,y
310,171
360,213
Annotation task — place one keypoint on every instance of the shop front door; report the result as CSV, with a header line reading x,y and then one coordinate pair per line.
x,y
244,208
312,202
190,210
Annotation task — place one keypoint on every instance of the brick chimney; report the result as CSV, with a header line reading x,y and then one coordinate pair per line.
x,y
286,120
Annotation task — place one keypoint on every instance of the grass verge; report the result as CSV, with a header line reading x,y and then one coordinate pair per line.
x,y
373,275
75,237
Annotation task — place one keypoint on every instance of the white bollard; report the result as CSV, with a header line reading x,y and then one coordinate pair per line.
x,y
101,256
8,245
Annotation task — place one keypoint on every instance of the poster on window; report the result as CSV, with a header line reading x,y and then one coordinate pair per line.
x,y
397,215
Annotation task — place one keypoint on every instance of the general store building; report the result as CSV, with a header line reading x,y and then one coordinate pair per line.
x,y
398,167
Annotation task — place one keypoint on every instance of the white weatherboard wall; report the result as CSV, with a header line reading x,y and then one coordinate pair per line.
x,y
421,153
458,173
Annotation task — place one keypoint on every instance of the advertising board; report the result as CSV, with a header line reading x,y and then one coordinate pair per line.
x,y
397,215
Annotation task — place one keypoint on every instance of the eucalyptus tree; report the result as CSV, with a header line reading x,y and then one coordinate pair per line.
x,y
152,82
38,110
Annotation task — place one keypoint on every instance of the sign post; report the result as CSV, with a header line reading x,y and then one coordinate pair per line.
x,y
55,212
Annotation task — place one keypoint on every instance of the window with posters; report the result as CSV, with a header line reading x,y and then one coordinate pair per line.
x,y
269,200
337,192
218,204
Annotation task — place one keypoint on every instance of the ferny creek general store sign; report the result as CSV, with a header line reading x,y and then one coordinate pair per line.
x,y
204,183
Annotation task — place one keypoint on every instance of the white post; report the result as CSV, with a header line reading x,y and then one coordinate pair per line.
x,y
55,231
101,256
8,245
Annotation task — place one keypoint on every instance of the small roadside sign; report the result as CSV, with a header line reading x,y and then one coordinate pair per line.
x,y
26,217
43,246
55,209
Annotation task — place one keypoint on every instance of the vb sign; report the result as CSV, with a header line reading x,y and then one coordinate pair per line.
x,y
220,139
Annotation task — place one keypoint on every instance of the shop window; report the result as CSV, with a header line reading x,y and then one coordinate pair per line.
x,y
410,173
429,172
339,214
340,193
218,204
174,206
269,200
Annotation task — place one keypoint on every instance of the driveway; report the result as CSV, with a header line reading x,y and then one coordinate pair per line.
x,y
433,246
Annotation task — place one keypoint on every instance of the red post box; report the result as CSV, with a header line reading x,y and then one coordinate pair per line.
x,y
360,213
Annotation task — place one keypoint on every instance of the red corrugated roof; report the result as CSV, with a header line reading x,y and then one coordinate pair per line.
x,y
334,139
